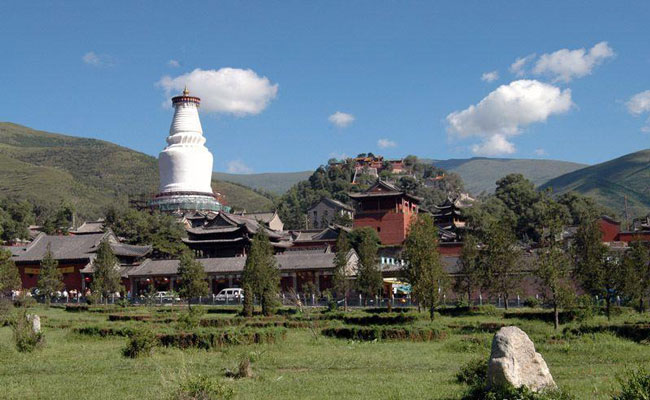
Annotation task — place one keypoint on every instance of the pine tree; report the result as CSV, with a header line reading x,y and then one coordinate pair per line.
x,y
469,273
9,275
499,261
261,277
106,274
192,278
369,280
50,279
423,269
340,280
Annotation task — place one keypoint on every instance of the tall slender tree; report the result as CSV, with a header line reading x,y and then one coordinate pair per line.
x,y
50,278
369,279
636,273
261,277
554,263
192,278
499,261
469,273
341,281
423,268
597,268
9,275
106,273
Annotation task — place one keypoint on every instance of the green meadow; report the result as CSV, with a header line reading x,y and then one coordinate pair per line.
x,y
302,363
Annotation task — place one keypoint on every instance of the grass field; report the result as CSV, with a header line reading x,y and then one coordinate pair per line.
x,y
305,365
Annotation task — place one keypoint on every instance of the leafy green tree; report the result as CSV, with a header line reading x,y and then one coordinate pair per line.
x,y
597,269
15,218
636,273
520,196
261,277
423,269
192,278
50,278
369,280
499,261
340,280
469,273
106,274
163,232
9,275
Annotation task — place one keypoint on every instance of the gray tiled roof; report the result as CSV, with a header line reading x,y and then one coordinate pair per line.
x,y
89,227
62,247
74,247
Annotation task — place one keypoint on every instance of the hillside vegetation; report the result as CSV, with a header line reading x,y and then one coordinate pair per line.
x,y
610,182
480,174
48,169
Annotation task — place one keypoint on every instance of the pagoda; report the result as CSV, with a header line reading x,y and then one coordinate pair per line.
x,y
185,165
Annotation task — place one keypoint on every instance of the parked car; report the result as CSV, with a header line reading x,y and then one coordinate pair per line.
x,y
167,296
230,294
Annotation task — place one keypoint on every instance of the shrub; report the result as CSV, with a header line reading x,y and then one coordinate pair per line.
x,y
24,336
474,373
636,385
24,300
377,319
201,387
76,307
531,302
191,319
386,332
209,340
141,343
128,317
103,332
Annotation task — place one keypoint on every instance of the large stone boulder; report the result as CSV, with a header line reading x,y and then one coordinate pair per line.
x,y
515,361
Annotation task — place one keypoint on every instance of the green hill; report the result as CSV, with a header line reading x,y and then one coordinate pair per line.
x,y
611,182
48,168
480,174
272,182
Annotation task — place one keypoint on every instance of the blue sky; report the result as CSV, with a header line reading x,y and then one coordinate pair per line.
x,y
403,73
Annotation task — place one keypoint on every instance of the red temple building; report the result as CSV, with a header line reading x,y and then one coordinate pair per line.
x,y
386,209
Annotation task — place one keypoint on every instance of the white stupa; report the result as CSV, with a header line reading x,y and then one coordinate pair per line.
x,y
185,165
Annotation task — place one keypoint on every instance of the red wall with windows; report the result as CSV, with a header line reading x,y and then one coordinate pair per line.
x,y
71,280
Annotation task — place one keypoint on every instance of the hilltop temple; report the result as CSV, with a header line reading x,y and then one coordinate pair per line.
x,y
185,165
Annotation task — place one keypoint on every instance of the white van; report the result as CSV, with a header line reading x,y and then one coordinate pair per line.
x,y
230,294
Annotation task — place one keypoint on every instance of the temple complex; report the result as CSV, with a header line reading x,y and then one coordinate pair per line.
x,y
185,165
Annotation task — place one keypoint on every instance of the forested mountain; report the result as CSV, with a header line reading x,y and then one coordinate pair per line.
x,y
611,182
48,169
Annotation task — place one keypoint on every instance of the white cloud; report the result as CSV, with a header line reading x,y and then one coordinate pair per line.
x,y
540,152
341,119
518,67
385,143
494,145
505,112
490,76
227,90
238,167
174,63
565,65
640,104
97,60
